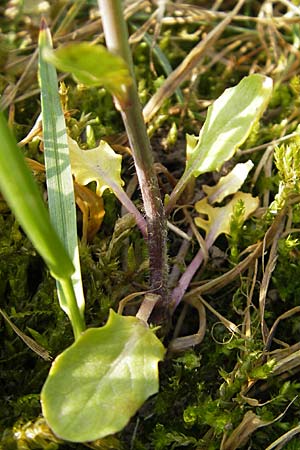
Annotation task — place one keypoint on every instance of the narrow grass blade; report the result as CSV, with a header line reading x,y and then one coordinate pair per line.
x,y
21,193
58,170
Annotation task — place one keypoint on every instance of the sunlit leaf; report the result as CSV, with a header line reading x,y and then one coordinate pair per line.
x,y
228,184
96,385
100,164
59,180
228,123
91,65
218,218
103,165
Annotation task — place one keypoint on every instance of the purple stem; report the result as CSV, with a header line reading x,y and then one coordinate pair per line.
x,y
131,208
188,275
116,36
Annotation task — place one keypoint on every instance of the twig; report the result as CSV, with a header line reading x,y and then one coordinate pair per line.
x,y
266,279
184,343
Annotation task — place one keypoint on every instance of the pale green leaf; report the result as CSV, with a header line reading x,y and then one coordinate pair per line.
x,y
91,65
96,385
218,218
228,123
100,164
229,184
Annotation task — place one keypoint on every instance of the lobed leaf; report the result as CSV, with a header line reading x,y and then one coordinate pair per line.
x,y
229,184
103,165
96,385
218,220
100,164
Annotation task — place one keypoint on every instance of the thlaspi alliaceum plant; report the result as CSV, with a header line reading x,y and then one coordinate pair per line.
x,y
98,383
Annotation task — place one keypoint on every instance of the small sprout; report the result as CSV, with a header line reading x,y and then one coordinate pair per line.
x,y
172,135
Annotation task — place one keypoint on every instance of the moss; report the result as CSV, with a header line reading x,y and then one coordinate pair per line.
x,y
205,392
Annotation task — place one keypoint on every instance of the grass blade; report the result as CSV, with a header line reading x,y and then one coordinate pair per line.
x,y
58,172
21,193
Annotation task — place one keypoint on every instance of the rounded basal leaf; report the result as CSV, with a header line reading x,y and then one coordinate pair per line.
x,y
96,385
91,65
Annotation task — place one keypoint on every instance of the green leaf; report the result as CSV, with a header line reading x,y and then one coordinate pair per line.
x,y
91,65
229,184
100,164
96,385
21,193
228,124
59,179
218,219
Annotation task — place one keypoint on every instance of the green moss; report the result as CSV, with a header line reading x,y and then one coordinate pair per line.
x,y
287,271
204,392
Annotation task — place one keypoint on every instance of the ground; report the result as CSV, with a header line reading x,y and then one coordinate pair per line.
x,y
233,389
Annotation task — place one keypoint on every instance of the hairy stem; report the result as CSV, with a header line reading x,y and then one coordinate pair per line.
x,y
116,37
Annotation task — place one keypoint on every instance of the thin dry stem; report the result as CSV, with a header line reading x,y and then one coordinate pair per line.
x,y
183,71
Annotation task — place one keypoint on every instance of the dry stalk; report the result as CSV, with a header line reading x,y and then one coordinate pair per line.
x,y
222,281
183,71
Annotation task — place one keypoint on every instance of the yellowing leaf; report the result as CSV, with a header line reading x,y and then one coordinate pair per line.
x,y
92,208
100,164
218,220
229,184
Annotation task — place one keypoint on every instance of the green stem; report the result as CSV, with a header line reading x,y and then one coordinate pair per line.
x,y
67,296
116,36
